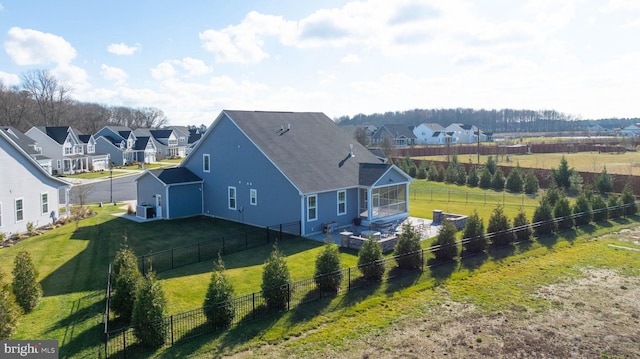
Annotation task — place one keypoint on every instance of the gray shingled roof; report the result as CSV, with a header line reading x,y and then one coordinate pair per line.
x,y
175,175
25,142
313,152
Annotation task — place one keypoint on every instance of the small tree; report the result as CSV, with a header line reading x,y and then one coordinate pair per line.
x,y
514,180
582,209
328,275
472,177
499,228
407,250
603,182
531,185
562,175
26,288
9,310
522,226
614,203
446,242
599,207
497,180
491,165
370,260
127,279
275,278
148,312
422,172
218,307
562,212
543,219
451,173
461,177
473,239
552,194
485,178
629,201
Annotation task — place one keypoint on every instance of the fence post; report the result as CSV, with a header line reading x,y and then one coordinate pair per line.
x,y
349,278
253,305
172,330
422,255
288,296
143,270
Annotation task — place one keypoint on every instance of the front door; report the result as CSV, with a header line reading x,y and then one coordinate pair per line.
x,y
158,205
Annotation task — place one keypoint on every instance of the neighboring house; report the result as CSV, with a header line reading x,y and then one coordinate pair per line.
x,y
429,134
124,146
63,145
194,136
165,141
28,193
99,161
268,168
463,133
182,133
29,146
631,130
397,135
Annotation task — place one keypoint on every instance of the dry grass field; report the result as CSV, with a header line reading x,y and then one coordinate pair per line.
x,y
627,163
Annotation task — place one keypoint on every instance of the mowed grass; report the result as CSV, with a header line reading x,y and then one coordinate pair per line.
x,y
73,263
627,163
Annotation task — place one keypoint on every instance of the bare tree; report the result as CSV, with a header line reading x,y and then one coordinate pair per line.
x,y
52,98
88,117
361,135
14,107
148,117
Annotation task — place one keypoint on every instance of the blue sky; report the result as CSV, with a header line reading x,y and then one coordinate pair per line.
x,y
194,58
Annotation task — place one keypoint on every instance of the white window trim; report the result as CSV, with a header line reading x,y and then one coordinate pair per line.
x,y
253,197
338,202
15,208
229,198
208,161
42,203
315,196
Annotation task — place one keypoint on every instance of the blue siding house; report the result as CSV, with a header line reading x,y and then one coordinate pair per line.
x,y
28,193
267,168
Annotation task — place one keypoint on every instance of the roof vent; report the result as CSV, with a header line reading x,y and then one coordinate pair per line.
x,y
288,126
351,150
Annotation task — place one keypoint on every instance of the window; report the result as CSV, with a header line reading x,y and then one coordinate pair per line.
x,y
342,202
44,201
206,163
312,208
253,197
232,198
19,210
58,164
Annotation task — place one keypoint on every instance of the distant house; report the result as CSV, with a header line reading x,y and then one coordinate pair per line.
x,y
67,149
631,130
124,147
463,133
396,135
429,134
29,146
267,168
166,142
29,194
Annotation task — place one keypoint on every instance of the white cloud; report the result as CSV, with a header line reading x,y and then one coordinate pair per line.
x,y
191,68
243,43
9,79
115,74
163,71
123,49
32,47
194,67
351,59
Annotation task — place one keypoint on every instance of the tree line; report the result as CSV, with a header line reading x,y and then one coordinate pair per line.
x,y
41,100
504,120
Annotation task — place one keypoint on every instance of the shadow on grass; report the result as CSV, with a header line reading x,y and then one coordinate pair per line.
x,y
360,290
472,260
402,279
548,240
441,270
524,245
500,253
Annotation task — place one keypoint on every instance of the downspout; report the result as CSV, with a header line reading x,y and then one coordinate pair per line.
x,y
166,202
303,222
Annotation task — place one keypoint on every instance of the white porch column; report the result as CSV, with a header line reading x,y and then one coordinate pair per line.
x,y
66,201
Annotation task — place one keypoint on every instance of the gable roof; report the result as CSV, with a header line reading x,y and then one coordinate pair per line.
x,y
433,126
173,175
53,181
309,148
57,133
25,142
396,130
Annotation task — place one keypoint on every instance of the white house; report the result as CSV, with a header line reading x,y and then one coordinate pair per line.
x,y
430,134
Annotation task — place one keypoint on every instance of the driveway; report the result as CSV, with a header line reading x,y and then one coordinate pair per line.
x,y
104,190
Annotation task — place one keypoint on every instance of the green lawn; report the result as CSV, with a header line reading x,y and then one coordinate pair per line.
x,y
72,264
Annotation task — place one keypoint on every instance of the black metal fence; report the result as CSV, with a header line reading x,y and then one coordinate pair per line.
x,y
207,250
123,343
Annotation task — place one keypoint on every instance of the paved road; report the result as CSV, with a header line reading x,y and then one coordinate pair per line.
x,y
124,189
